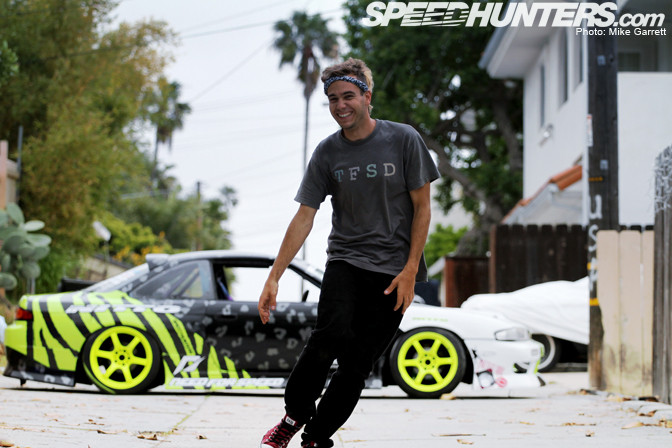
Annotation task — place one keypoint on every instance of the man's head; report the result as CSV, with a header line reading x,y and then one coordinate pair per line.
x,y
354,71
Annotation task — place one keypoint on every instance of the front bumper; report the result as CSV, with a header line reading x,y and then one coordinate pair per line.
x,y
505,364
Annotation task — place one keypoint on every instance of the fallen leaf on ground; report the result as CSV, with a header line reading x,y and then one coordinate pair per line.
x,y
464,442
148,436
590,433
201,437
4,443
457,435
633,425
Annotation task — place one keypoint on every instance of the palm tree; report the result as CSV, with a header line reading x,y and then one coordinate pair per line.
x,y
298,38
167,114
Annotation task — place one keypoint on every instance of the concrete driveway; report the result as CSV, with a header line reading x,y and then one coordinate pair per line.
x,y
557,415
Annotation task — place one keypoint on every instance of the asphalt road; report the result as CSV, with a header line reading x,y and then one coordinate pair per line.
x,y
557,415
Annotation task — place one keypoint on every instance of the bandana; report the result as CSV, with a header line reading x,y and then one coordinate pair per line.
x,y
355,81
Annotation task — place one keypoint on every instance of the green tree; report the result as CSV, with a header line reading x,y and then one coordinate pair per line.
x,y
83,93
77,95
9,65
442,241
182,220
131,242
429,77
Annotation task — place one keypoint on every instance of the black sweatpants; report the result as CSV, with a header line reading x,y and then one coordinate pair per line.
x,y
355,323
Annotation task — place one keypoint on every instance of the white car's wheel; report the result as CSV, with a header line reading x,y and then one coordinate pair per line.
x,y
428,362
552,351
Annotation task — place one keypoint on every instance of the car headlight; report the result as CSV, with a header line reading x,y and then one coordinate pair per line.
x,y
513,334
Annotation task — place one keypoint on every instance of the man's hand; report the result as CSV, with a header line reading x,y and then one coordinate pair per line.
x,y
267,300
404,283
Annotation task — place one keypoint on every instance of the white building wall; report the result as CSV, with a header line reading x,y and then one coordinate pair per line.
x,y
644,103
558,143
645,117
644,122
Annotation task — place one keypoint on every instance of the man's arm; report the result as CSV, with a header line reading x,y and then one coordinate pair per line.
x,y
405,281
297,232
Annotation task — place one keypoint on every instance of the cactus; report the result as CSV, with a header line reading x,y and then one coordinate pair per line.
x,y
21,248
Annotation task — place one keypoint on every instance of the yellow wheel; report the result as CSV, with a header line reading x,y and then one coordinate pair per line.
x,y
122,360
427,363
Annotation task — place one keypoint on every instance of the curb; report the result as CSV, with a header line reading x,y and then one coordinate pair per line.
x,y
642,406
645,408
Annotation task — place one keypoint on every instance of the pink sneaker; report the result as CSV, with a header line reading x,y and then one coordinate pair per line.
x,y
280,435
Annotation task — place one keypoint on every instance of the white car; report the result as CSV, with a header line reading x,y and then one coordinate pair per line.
x,y
556,313
190,321
437,348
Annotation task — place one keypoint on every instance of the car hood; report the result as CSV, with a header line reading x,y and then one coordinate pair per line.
x,y
467,324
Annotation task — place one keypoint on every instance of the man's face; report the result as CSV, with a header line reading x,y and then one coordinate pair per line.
x,y
347,104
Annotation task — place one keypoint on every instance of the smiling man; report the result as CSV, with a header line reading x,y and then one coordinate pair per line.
x,y
377,173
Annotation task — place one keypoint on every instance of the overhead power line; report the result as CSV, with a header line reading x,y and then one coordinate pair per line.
x,y
250,25
255,10
230,72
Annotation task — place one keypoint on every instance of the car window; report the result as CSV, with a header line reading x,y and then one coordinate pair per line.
x,y
246,284
191,280
121,280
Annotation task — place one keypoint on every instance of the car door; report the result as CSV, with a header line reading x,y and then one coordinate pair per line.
x,y
236,329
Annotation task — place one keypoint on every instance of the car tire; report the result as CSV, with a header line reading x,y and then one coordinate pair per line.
x,y
121,360
428,362
552,351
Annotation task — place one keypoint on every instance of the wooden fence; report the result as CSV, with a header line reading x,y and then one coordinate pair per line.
x,y
662,306
521,256
625,293
463,277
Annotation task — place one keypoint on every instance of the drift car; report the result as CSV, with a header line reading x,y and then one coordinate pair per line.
x,y
180,321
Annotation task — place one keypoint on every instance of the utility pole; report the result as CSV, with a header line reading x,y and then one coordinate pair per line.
x,y
602,175
199,218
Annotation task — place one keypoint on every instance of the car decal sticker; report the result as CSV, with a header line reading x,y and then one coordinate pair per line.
x,y
90,321
44,342
59,324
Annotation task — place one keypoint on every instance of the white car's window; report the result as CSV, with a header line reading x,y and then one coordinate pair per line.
x,y
248,282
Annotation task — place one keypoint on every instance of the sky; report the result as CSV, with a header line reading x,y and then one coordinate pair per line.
x,y
246,128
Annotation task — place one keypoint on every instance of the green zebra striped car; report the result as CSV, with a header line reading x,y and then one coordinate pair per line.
x,y
169,322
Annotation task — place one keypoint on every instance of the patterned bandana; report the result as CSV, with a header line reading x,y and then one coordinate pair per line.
x,y
355,81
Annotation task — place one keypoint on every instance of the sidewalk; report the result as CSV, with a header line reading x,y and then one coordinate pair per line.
x,y
557,415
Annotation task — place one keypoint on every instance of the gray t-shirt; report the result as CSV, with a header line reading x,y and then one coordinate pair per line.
x,y
369,182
